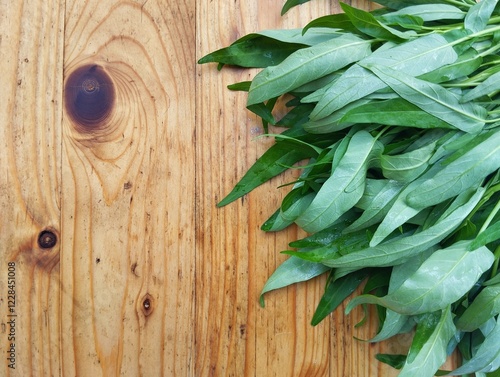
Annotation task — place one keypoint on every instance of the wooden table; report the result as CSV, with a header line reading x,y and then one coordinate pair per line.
x,y
114,257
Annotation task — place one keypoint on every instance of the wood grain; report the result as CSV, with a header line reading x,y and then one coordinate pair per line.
x,y
121,197
128,198
234,333
31,37
147,277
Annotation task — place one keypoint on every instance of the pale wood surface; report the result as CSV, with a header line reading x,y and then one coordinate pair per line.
x,y
133,203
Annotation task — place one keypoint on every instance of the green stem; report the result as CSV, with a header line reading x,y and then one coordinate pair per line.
x,y
489,51
284,137
494,20
477,34
494,269
490,217
458,3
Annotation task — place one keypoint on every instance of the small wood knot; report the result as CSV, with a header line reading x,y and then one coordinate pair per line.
x,y
89,97
147,305
47,239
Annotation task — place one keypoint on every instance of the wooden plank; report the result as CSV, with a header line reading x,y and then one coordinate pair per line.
x,y
128,194
118,192
235,258
31,36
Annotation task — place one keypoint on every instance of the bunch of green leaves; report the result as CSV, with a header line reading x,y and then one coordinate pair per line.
x,y
396,112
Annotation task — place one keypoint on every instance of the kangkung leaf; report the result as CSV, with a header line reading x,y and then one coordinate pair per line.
x,y
434,12
306,65
290,4
428,350
401,248
336,291
466,171
415,58
485,306
394,112
433,99
274,161
441,280
479,14
369,25
488,86
487,357
292,271
345,186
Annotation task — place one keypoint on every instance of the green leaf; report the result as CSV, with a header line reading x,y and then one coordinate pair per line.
x,y
401,211
274,161
415,58
428,349
405,21
312,38
334,122
466,171
467,63
267,48
290,4
380,199
493,281
333,21
315,36
315,85
306,65
291,271
395,361
399,249
243,86
395,323
256,52
487,356
323,238
485,306
479,14
391,112
399,4
290,211
490,234
369,25
336,292
275,223
341,243
407,166
264,111
433,12
378,281
296,116
433,99
488,86
441,280
345,186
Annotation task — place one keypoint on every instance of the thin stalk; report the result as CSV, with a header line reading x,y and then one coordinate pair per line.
x,y
490,121
458,3
477,34
494,20
494,269
489,51
490,217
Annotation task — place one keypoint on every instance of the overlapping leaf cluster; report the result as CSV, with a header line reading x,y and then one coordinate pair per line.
x,y
396,112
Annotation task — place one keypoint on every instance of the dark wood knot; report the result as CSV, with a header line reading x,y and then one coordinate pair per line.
x,y
147,305
89,97
47,239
